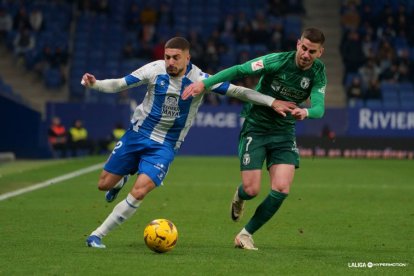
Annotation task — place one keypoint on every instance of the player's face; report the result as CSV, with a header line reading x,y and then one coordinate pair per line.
x,y
307,52
176,61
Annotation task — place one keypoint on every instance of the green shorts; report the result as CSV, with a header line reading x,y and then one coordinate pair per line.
x,y
253,150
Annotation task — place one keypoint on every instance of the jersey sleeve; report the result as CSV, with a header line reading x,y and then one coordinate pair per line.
x,y
252,67
142,75
219,88
317,96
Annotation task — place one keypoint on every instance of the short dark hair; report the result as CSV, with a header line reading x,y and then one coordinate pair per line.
x,y
314,35
178,43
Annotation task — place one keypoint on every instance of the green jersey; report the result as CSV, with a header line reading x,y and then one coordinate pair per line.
x,y
283,80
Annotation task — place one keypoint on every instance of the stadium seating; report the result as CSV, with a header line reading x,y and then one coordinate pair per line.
x,y
395,93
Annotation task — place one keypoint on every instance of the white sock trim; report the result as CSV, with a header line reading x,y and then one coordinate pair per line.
x,y
244,232
132,201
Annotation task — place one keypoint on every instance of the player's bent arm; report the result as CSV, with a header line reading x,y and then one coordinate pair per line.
x,y
110,85
317,109
249,95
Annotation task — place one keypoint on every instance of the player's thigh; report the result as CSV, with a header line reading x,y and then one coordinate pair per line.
x,y
108,180
251,180
142,186
282,160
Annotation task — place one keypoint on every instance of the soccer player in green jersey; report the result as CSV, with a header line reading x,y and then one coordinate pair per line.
x,y
287,76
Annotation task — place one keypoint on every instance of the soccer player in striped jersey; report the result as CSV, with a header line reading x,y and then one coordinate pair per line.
x,y
290,76
158,127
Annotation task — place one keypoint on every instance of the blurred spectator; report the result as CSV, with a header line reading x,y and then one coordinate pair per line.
x,y
373,90
165,15
390,74
158,49
276,41
369,71
101,6
296,7
147,33
57,136
132,17
148,15
36,19
350,18
197,49
78,139
228,25
354,91
21,19
260,33
277,8
6,24
23,42
109,143
328,133
352,54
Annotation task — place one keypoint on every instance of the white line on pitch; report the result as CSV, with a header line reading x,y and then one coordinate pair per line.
x,y
50,182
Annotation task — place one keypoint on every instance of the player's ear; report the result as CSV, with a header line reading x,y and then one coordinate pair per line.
x,y
321,50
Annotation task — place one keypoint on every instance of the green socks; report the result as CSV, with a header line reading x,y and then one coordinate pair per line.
x,y
265,210
243,195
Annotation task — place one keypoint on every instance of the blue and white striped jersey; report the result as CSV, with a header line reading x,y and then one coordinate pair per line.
x,y
164,116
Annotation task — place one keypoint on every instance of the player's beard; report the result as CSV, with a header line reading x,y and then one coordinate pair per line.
x,y
303,63
174,71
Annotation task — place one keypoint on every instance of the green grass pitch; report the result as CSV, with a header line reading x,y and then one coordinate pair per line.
x,y
341,213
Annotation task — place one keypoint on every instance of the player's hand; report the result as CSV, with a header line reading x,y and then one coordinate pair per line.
x,y
88,80
281,107
299,113
193,89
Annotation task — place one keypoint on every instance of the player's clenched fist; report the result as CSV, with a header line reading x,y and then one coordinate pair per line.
x,y
88,80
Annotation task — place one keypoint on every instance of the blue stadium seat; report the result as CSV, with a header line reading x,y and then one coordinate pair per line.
x,y
406,87
53,78
373,103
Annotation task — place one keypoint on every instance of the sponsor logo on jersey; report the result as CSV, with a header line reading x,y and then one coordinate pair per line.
x,y
170,107
246,159
304,83
257,65
288,92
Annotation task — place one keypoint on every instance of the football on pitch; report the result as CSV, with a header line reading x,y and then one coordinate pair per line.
x,y
160,235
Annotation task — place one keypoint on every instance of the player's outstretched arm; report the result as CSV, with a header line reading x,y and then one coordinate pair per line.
x,y
106,86
193,90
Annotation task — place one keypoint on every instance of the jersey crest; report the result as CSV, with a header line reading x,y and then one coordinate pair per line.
x,y
304,83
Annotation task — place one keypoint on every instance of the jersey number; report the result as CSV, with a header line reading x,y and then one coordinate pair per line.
x,y
249,140
117,146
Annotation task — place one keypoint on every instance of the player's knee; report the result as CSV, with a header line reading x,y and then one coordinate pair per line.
x,y
103,185
281,187
251,190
